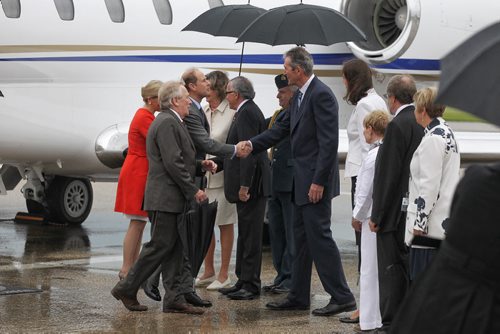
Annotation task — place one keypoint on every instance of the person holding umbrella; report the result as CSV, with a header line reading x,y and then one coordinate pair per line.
x,y
170,185
312,125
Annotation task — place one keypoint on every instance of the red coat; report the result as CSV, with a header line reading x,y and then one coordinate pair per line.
x,y
133,175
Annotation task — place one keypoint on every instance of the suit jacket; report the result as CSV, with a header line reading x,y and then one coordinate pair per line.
x,y
314,133
281,161
253,171
199,130
392,169
172,165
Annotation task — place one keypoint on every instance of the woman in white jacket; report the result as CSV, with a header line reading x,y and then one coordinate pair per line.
x,y
434,174
357,77
369,309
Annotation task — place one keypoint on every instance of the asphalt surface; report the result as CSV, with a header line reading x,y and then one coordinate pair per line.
x,y
76,268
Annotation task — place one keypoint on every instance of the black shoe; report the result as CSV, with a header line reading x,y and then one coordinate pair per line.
x,y
269,288
242,294
151,291
280,290
231,289
286,305
195,300
333,308
349,320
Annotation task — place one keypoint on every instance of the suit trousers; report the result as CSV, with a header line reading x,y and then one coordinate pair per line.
x,y
249,243
279,214
314,242
166,249
393,272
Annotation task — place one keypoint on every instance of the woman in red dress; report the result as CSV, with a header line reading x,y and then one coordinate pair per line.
x,y
133,175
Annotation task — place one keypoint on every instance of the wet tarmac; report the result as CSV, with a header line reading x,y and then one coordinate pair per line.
x,y
76,267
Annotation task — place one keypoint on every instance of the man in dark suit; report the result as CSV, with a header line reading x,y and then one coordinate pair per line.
x,y
279,206
313,129
170,185
390,187
246,183
197,124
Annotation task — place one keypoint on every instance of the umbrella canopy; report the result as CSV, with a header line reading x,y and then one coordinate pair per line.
x,y
200,221
301,24
470,75
228,20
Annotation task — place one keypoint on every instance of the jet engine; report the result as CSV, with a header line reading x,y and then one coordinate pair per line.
x,y
390,27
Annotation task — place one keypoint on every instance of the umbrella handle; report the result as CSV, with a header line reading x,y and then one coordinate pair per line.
x,y
241,57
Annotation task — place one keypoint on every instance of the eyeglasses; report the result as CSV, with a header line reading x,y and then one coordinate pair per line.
x,y
230,91
386,96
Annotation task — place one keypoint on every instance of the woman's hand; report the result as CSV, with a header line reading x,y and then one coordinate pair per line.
x,y
356,225
209,166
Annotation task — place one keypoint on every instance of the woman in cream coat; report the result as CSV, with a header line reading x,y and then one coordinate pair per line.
x,y
220,117
434,174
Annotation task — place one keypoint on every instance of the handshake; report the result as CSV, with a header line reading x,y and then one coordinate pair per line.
x,y
243,149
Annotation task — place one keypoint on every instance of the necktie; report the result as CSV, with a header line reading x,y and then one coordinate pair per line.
x,y
299,98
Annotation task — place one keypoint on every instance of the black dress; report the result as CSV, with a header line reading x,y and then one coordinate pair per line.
x,y
460,291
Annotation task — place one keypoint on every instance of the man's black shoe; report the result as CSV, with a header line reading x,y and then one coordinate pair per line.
x,y
286,305
243,294
151,291
269,288
195,300
333,308
280,290
231,289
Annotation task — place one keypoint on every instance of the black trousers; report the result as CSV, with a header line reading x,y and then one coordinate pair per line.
x,y
393,272
314,242
249,243
166,249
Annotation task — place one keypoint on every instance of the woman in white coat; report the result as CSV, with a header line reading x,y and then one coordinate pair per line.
x,y
357,77
369,309
434,174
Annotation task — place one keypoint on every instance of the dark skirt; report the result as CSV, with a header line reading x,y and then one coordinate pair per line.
x,y
452,296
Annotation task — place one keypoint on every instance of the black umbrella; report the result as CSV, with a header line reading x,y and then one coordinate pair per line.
x,y
301,24
200,221
228,21
470,75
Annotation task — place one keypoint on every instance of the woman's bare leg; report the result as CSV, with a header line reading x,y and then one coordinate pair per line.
x,y
132,245
226,242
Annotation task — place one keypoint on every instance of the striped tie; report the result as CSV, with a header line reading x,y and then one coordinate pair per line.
x,y
299,98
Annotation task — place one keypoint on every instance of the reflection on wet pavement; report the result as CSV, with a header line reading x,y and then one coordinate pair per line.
x,y
76,267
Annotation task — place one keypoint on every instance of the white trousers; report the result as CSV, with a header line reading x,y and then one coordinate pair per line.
x,y
369,309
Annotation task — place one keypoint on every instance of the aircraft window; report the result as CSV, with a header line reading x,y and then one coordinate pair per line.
x,y
65,9
215,3
11,8
163,11
116,10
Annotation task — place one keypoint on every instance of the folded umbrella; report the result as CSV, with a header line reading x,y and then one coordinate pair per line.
x,y
470,75
200,221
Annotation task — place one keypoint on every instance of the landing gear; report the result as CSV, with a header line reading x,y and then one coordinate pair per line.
x,y
66,200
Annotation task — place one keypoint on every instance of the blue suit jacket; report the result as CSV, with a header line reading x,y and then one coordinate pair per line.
x,y
314,134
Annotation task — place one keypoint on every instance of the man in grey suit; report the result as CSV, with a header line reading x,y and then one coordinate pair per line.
x,y
169,187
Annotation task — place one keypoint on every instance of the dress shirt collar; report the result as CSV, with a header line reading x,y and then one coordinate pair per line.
x,y
242,103
176,114
196,103
401,108
303,89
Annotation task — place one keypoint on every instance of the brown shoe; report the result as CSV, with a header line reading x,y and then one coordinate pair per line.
x,y
131,303
183,308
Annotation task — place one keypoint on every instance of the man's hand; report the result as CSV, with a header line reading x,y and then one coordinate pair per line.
x,y
373,227
243,149
418,232
243,194
200,196
356,224
315,193
209,166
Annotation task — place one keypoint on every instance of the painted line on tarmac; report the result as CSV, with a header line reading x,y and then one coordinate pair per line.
x,y
16,265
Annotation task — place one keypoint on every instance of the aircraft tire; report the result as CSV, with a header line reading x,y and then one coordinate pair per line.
x,y
69,200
